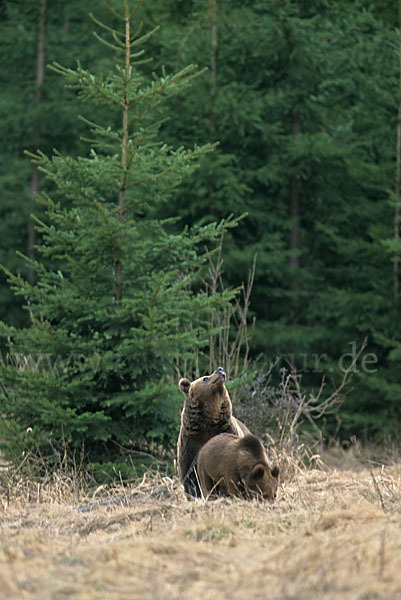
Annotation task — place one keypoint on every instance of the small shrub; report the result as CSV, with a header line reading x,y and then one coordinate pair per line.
x,y
285,417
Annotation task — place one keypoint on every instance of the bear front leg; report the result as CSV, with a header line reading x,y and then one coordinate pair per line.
x,y
188,454
206,483
232,488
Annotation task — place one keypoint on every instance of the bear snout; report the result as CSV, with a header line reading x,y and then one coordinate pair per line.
x,y
222,372
269,496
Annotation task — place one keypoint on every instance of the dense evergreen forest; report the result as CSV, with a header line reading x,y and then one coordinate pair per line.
x,y
284,141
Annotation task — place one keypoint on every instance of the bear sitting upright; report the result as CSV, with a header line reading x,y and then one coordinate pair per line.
x,y
207,412
237,466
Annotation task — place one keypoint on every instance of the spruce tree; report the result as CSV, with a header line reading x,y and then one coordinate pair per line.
x,y
114,315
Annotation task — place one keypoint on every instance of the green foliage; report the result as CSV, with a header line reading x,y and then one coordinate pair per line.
x,y
112,312
32,115
302,99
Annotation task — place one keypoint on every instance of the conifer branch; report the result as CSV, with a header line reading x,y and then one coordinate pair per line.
x,y
138,30
95,20
140,62
80,76
118,41
106,43
145,37
107,5
135,10
77,172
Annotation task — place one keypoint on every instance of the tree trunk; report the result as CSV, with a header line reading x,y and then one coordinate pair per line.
x,y
40,75
66,26
212,12
294,184
396,263
119,275
213,66
294,210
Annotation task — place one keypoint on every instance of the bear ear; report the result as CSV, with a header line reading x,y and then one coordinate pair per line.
x,y
275,471
184,385
258,471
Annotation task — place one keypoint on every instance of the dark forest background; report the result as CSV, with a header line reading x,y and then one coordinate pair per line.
x,y
304,101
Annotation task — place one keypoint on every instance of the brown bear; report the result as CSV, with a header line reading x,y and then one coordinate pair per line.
x,y
206,413
237,466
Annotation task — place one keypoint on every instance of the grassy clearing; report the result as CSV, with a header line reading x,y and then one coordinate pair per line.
x,y
332,533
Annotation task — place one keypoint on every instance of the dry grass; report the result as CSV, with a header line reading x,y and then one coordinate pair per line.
x,y
333,533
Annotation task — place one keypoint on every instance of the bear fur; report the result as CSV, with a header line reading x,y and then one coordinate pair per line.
x,y
207,412
237,466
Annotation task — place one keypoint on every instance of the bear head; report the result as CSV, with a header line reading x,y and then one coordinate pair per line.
x,y
206,385
262,481
208,392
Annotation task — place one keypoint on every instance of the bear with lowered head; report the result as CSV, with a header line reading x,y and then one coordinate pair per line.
x,y
236,466
207,412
